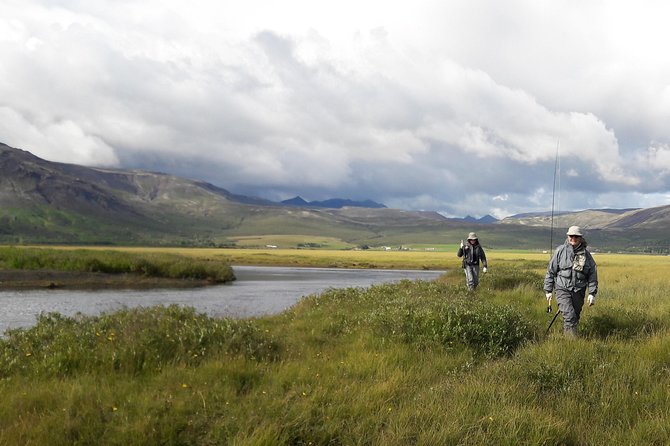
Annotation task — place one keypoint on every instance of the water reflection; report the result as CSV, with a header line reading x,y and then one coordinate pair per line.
x,y
257,291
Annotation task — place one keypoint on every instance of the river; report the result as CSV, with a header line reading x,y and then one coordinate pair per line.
x,y
257,291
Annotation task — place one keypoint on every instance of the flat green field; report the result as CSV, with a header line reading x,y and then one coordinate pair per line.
x,y
307,257
444,257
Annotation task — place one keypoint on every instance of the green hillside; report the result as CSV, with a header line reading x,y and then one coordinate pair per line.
x,y
54,203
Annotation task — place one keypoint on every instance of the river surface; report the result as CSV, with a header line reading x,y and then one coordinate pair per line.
x,y
257,291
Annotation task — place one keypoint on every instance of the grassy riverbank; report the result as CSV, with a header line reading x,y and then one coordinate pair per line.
x,y
411,363
22,267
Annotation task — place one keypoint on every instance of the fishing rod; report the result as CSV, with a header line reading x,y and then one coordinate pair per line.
x,y
557,167
552,321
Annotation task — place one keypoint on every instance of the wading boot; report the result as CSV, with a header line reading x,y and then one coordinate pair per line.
x,y
570,332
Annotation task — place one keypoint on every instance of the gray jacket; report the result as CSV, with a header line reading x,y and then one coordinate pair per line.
x,y
565,273
472,255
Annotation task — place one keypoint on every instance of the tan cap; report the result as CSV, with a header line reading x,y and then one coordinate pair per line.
x,y
575,230
472,236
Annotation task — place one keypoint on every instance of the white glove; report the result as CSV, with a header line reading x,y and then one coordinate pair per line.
x,y
484,269
592,300
548,296
462,243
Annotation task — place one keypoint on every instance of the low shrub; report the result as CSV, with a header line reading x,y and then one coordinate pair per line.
x,y
131,341
506,277
434,313
500,277
489,329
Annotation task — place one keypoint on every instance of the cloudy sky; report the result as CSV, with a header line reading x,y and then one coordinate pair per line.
x,y
457,106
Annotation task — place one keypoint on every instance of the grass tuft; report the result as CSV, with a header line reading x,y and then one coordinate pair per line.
x,y
130,342
621,323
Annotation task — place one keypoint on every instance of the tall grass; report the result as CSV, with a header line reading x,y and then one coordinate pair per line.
x,y
411,363
131,342
166,265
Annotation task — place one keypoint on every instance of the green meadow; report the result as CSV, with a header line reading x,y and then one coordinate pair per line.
x,y
421,363
373,258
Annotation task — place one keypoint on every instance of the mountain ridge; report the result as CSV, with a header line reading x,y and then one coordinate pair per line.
x,y
332,203
486,219
657,217
48,202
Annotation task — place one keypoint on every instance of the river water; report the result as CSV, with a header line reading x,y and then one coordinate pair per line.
x,y
257,291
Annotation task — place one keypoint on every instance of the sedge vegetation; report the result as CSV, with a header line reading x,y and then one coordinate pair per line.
x,y
145,264
410,363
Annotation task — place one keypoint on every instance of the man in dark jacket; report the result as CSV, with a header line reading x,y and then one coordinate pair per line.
x,y
570,271
472,254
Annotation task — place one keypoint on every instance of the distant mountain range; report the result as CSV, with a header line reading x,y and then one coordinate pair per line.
x,y
47,202
333,203
486,219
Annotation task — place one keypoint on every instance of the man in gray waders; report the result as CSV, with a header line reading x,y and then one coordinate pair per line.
x,y
472,254
571,270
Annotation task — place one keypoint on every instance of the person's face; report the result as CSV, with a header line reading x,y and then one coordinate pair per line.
x,y
472,241
574,240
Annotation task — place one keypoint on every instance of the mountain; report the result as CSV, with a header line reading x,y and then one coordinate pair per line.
x,y
48,202
296,201
333,203
487,219
43,201
637,230
651,218
655,218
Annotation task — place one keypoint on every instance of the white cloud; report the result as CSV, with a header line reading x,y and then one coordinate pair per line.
x,y
656,158
443,104
62,141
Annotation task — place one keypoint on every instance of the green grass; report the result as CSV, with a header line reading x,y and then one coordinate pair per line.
x,y
128,342
290,241
411,363
167,265
307,257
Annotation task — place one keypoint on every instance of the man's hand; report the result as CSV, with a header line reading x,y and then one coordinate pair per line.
x,y
548,296
462,243
592,300
484,269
